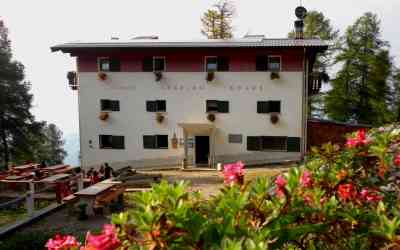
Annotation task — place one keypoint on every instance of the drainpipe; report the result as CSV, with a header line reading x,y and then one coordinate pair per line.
x,y
305,105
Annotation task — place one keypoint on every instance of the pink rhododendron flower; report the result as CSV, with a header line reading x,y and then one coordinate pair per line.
x,y
62,242
108,240
280,181
397,160
347,192
370,195
280,192
306,179
233,173
359,140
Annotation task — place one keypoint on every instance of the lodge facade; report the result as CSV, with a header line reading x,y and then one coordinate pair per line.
x,y
153,103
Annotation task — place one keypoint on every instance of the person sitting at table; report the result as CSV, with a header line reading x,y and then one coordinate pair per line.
x,y
101,171
90,172
108,171
95,177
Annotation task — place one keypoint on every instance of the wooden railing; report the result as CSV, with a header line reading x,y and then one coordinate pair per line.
x,y
314,83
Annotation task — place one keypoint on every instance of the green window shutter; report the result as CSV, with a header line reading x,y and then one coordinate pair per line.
x,y
105,141
148,64
274,106
262,63
115,65
211,106
161,106
115,105
253,143
277,143
262,107
293,144
151,106
149,141
162,141
105,105
118,142
223,63
223,106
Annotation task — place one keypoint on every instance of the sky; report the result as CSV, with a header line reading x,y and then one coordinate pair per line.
x,y
35,26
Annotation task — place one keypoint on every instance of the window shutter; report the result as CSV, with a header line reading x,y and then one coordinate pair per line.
x,y
118,142
253,143
159,64
149,142
151,106
162,141
262,107
278,143
293,144
261,63
274,106
115,105
223,63
115,65
161,106
105,141
223,107
211,106
105,105
148,64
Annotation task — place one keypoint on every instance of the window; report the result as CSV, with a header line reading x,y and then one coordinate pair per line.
x,y
217,106
267,143
111,142
235,138
262,63
293,144
155,141
214,63
274,63
151,64
156,106
109,64
265,107
109,105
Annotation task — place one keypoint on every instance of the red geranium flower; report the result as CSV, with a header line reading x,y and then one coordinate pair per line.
x,y
108,240
370,195
347,192
397,160
306,179
359,140
62,242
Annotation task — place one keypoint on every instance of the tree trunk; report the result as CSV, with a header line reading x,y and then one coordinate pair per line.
x,y
3,138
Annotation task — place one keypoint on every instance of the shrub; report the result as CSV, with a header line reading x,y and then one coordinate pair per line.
x,y
340,199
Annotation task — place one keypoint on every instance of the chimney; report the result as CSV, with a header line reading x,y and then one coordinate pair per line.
x,y
299,29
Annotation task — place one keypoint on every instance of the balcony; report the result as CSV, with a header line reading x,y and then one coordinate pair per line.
x,y
315,82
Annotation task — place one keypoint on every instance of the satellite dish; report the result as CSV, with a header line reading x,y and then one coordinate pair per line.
x,y
301,12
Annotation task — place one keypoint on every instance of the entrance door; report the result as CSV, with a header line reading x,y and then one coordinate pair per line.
x,y
202,149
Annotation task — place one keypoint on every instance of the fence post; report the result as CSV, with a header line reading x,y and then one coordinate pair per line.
x,y
30,202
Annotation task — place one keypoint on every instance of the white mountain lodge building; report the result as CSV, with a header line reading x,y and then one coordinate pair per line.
x,y
154,103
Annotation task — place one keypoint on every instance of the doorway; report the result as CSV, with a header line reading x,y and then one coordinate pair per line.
x,y
202,149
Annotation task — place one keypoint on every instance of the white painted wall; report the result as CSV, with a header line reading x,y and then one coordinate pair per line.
x,y
186,95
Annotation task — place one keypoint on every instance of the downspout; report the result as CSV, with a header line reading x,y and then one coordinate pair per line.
x,y
305,105
79,113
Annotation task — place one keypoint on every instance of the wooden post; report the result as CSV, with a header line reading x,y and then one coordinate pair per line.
x,y
30,199
80,182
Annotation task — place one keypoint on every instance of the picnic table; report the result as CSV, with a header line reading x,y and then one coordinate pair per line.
x,y
89,194
55,167
55,178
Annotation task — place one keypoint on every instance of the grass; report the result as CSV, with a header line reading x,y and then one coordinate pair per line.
x,y
9,216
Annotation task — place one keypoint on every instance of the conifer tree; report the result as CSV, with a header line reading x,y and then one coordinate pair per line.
x,y
361,88
217,22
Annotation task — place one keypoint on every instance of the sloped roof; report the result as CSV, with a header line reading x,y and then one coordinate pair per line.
x,y
211,43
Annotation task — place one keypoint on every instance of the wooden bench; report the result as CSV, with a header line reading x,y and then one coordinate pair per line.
x,y
70,198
